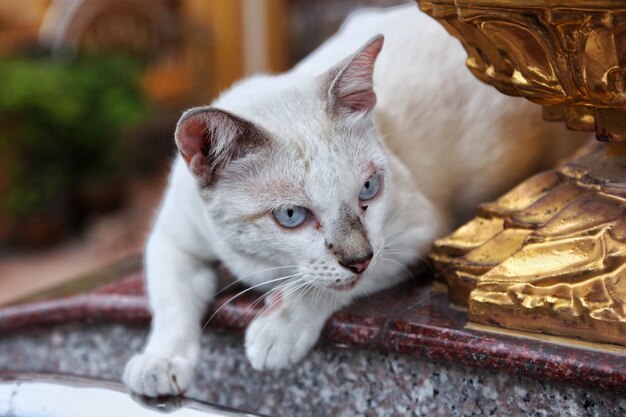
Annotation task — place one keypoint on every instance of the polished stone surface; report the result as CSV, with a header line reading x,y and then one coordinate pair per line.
x,y
329,382
413,319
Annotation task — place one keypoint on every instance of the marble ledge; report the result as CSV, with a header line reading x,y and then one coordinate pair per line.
x,y
412,319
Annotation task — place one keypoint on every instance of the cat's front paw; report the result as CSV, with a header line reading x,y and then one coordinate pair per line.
x,y
154,375
273,342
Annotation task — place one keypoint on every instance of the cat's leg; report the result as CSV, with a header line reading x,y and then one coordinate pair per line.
x,y
180,287
289,327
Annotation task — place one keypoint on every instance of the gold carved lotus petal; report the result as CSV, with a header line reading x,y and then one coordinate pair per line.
x,y
548,256
569,56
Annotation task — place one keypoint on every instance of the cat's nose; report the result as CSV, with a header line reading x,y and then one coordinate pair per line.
x,y
358,265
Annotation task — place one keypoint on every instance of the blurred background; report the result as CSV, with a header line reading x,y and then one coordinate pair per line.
x,y
90,92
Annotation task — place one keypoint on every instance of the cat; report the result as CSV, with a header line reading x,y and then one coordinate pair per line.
x,y
323,183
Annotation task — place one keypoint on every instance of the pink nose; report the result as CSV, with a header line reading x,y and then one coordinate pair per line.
x,y
359,266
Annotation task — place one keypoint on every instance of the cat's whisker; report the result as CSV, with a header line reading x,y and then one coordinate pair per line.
x,y
316,294
280,287
297,284
392,218
406,258
312,287
335,300
292,287
331,296
382,258
319,294
323,293
397,234
251,307
398,252
397,242
394,238
300,292
239,294
424,260
251,274
304,290
365,294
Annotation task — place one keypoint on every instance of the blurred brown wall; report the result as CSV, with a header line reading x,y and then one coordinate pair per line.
x,y
311,22
19,23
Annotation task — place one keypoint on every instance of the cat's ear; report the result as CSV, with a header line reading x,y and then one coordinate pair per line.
x,y
209,138
352,89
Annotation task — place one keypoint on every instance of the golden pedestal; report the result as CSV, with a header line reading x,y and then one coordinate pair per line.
x,y
550,255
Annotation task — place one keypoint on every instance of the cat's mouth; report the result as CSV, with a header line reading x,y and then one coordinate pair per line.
x,y
345,285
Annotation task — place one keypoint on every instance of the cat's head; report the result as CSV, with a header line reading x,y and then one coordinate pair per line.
x,y
294,173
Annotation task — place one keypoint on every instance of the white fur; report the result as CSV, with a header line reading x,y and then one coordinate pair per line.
x,y
448,143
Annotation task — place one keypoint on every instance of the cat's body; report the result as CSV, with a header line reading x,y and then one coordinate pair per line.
x,y
305,146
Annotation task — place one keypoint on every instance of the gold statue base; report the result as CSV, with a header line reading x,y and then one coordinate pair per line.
x,y
550,255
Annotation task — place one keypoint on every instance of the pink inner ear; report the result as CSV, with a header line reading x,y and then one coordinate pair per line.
x,y
208,138
354,86
196,136
359,100
190,136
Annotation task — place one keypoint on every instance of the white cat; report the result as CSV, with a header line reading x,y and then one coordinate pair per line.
x,y
323,183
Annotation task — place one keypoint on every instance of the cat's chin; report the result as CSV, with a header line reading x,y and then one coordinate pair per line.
x,y
346,285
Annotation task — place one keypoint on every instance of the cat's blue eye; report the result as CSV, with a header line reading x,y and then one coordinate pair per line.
x,y
370,188
291,217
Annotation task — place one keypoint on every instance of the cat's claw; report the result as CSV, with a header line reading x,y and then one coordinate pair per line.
x,y
274,343
154,375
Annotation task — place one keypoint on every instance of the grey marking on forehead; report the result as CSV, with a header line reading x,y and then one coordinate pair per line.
x,y
347,219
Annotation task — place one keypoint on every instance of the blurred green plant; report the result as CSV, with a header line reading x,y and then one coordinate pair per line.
x,y
60,126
